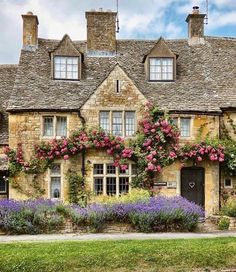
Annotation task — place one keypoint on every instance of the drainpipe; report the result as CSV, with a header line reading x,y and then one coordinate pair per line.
x,y
220,172
83,151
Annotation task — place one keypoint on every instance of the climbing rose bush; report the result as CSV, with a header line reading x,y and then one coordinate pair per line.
x,y
201,151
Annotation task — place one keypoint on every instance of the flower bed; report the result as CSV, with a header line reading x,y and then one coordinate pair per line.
x,y
43,216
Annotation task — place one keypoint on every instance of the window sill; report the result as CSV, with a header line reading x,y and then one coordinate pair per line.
x,y
161,81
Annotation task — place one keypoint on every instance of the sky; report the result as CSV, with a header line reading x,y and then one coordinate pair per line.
x,y
139,19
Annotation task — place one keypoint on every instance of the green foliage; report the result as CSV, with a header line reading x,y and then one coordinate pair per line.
x,y
224,223
136,195
229,208
77,194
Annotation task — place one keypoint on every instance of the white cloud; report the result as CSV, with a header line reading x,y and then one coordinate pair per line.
x,y
138,18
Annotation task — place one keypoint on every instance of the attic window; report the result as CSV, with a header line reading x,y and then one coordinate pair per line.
x,y
161,69
66,68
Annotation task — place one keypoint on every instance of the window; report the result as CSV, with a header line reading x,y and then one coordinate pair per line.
x,y
228,183
185,127
110,180
66,67
3,183
54,126
119,123
55,181
161,69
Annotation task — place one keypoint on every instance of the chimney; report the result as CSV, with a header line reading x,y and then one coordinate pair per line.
x,y
30,31
101,32
195,27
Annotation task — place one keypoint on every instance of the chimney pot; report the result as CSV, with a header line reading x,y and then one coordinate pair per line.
x,y
30,13
195,10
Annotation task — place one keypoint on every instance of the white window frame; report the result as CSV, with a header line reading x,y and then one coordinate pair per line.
x,y
123,134
178,118
226,186
54,126
161,66
116,175
66,66
50,175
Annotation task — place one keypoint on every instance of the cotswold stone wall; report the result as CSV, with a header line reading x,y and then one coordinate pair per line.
x,y
106,98
228,125
26,128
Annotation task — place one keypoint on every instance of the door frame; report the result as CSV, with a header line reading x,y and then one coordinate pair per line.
x,y
194,168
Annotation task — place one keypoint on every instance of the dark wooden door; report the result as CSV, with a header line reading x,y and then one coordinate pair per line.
x,y
192,184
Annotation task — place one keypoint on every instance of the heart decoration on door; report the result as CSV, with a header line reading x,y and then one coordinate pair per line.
x,y
191,184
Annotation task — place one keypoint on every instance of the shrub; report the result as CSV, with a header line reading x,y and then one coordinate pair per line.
x,y
224,223
136,195
153,214
229,208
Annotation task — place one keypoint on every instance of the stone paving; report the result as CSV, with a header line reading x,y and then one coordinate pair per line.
x,y
110,236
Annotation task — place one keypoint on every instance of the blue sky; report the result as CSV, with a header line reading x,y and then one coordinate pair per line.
x,y
142,19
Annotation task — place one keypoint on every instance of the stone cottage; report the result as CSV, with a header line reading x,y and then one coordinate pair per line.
x,y
60,85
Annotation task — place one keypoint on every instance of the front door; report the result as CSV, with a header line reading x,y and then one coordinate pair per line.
x,y
4,190
192,184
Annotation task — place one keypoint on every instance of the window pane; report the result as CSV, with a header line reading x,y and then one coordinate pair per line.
x,y
185,127
98,169
124,172
48,126
117,123
111,169
123,185
129,123
64,66
161,69
111,186
104,121
61,126
98,186
3,185
175,121
55,187
56,169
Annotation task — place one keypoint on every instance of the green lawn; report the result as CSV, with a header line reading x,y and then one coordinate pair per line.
x,y
147,255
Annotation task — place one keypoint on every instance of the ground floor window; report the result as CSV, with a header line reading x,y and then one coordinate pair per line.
x,y
3,182
228,183
110,180
55,181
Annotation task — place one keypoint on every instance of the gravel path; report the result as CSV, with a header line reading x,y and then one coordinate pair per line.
x,y
110,236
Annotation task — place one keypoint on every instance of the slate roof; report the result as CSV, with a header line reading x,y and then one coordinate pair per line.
x,y
7,77
205,76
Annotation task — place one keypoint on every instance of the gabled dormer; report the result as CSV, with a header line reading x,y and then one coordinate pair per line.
x,y
160,63
66,60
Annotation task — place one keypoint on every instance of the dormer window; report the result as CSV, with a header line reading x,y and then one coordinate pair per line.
x,y
161,69
160,63
66,68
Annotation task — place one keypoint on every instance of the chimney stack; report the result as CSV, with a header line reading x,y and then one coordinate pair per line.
x,y
30,31
195,27
101,32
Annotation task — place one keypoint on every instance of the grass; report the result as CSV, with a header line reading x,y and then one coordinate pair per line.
x,y
122,256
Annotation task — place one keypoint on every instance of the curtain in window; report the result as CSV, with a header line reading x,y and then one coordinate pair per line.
x,y
104,121
55,187
185,127
61,127
117,123
48,126
129,123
